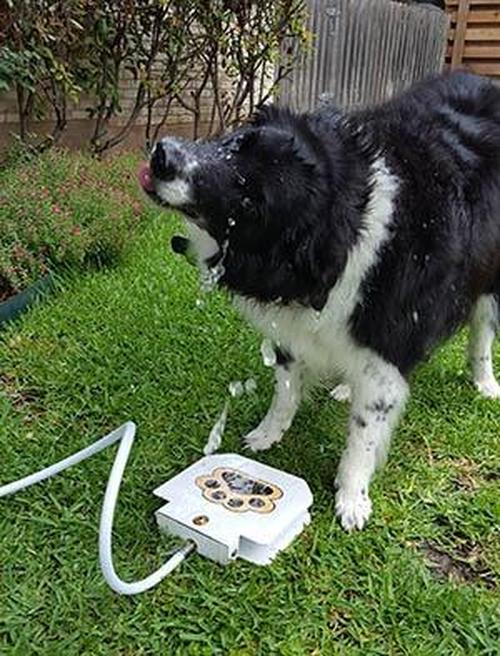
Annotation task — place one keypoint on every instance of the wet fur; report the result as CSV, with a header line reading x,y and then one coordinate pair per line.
x,y
357,243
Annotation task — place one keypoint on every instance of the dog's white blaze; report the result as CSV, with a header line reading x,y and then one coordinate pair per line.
x,y
176,193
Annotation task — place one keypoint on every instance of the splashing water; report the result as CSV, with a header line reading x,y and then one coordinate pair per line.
x,y
210,277
236,388
268,353
316,321
250,386
215,438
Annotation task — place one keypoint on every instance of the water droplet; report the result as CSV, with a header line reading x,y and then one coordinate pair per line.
x,y
268,353
229,156
236,388
316,321
210,277
231,222
246,203
250,385
215,438
415,316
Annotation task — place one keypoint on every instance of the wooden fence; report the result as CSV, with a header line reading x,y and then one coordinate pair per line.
x,y
364,51
474,37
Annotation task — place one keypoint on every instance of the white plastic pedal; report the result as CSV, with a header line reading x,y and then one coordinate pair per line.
x,y
233,507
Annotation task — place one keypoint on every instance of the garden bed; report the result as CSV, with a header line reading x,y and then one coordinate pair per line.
x,y
14,305
60,211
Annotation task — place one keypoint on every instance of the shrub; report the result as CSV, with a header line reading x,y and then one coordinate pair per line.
x,y
176,51
64,210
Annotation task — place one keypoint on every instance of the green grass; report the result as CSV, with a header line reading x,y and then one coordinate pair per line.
x,y
130,343
65,210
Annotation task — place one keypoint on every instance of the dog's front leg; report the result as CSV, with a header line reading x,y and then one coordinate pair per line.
x,y
286,400
378,398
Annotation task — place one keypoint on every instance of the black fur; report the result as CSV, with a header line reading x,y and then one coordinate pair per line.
x,y
442,139
285,198
437,3
283,358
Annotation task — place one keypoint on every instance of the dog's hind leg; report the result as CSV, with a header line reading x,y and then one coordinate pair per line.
x,y
379,393
484,324
285,403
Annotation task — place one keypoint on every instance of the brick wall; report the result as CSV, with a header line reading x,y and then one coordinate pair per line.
x,y
79,127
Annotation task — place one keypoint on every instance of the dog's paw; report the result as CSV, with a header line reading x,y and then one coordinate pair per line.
x,y
341,393
260,439
352,508
489,388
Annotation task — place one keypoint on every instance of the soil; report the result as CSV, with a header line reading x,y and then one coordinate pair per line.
x,y
6,290
463,563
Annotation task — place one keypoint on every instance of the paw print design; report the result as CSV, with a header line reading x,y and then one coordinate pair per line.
x,y
238,492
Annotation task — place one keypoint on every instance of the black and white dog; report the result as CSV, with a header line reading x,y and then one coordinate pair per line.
x,y
356,243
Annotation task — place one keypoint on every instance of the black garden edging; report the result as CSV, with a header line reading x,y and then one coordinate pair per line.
x,y
13,307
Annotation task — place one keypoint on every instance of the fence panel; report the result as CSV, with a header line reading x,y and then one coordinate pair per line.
x,y
364,51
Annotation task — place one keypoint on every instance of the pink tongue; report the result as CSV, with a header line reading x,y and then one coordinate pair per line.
x,y
145,178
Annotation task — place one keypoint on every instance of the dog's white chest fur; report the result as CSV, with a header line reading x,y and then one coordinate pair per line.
x,y
321,340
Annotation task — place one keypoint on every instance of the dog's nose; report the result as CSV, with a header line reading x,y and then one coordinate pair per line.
x,y
167,160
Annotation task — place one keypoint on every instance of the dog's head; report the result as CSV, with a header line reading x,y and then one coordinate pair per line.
x,y
267,201
248,183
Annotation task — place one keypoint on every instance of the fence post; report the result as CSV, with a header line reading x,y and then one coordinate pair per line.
x,y
460,30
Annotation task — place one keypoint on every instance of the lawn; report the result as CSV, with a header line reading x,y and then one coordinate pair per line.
x,y
131,343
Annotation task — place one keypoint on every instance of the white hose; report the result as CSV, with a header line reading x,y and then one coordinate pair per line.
x,y
125,435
